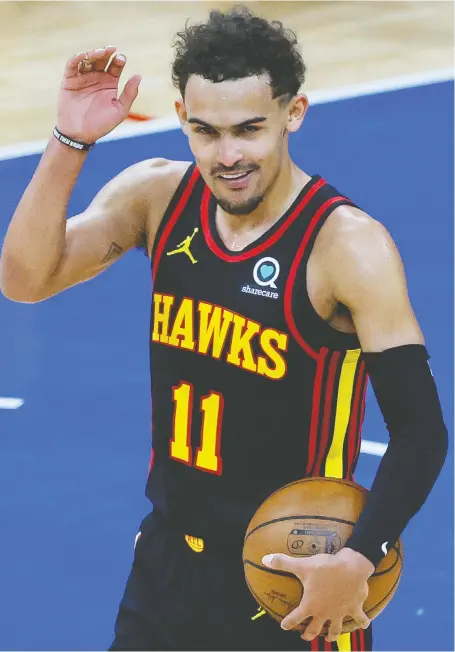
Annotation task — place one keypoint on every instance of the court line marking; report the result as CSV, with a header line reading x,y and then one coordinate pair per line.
x,y
10,403
170,123
373,447
367,446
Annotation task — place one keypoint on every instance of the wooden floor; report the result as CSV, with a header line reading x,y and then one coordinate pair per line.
x,y
342,42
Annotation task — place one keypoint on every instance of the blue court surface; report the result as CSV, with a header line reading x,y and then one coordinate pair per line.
x,y
74,457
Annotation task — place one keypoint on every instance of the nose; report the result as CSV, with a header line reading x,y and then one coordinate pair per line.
x,y
228,152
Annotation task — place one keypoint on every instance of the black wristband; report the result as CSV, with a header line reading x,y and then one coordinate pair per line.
x,y
66,140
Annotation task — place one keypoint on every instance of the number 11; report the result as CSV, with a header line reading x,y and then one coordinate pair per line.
x,y
208,457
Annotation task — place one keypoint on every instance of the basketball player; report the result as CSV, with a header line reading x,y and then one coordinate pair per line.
x,y
273,297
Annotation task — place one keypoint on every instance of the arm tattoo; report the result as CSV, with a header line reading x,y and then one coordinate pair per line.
x,y
114,252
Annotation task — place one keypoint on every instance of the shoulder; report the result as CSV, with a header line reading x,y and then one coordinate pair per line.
x,y
145,181
142,192
353,237
163,177
166,170
358,255
156,180
155,174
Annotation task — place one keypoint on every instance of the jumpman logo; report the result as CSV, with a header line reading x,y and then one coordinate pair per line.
x,y
184,247
261,611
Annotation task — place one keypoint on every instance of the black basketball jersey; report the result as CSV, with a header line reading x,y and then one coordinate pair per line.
x,y
251,389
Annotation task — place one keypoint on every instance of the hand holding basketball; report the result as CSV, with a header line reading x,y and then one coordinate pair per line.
x,y
313,575
335,587
88,103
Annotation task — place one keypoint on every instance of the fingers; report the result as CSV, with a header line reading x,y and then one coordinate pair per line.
x,y
72,66
296,617
313,629
361,618
130,92
115,66
96,60
90,61
282,562
335,630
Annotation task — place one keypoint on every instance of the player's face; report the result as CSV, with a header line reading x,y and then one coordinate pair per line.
x,y
239,137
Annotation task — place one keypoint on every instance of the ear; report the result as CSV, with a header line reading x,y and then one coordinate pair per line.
x,y
182,115
296,112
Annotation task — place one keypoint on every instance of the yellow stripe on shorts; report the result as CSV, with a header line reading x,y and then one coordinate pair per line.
x,y
344,643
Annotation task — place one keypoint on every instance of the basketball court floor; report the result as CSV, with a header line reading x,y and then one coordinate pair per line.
x,y
74,381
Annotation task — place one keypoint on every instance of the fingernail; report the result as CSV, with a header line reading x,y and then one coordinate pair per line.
x,y
121,58
283,626
267,559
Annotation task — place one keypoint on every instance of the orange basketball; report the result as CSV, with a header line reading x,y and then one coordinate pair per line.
x,y
307,517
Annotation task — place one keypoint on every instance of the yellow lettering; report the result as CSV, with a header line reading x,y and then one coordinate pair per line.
x,y
208,456
180,443
211,330
241,343
182,334
281,340
161,317
214,325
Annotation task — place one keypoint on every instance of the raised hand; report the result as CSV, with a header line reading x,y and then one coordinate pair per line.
x,y
89,105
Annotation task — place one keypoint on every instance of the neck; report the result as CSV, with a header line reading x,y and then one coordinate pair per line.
x,y
239,231
280,197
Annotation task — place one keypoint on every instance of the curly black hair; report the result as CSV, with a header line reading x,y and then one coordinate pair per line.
x,y
236,44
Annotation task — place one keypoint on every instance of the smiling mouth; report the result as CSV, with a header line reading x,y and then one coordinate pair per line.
x,y
235,180
235,177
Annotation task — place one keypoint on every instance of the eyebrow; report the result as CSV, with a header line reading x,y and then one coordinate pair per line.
x,y
198,121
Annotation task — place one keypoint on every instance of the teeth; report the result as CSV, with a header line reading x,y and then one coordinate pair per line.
x,y
234,176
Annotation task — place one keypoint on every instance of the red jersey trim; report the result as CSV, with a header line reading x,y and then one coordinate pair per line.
x,y
354,426
173,219
293,273
335,364
228,258
316,410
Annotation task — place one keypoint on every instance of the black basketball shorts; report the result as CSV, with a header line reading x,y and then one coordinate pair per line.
x,y
184,595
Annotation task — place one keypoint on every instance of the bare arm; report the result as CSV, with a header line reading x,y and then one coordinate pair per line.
x,y
373,283
373,287
35,238
361,269
44,253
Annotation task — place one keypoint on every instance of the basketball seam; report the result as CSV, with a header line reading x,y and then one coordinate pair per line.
x,y
377,574
345,622
300,517
273,571
352,484
387,570
261,602
393,588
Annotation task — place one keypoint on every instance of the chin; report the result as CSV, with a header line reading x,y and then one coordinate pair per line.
x,y
240,208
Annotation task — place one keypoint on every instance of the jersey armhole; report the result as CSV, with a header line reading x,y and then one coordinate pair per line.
x,y
327,336
173,211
